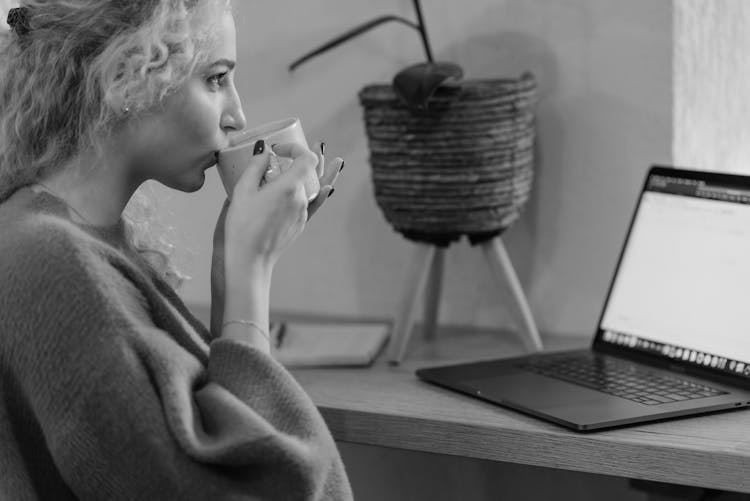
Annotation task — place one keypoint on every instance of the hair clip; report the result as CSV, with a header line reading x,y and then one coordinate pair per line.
x,y
18,20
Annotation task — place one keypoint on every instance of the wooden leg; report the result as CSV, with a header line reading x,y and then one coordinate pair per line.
x,y
432,294
404,322
502,267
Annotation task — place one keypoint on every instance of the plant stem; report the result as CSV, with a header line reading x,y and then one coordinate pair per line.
x,y
354,32
423,31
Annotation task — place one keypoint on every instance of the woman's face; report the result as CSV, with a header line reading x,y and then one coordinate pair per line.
x,y
176,144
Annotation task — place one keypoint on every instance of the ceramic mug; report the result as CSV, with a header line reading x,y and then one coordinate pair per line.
x,y
233,161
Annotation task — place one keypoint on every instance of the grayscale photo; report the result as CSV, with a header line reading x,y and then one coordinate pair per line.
x,y
350,250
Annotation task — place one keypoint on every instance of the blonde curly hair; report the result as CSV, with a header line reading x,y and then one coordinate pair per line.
x,y
73,71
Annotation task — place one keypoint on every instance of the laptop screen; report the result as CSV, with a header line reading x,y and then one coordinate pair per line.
x,y
682,288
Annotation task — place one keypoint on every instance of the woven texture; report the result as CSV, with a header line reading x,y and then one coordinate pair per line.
x,y
463,167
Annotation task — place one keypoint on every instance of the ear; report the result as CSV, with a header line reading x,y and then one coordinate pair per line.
x,y
118,104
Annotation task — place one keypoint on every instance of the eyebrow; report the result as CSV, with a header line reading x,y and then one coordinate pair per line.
x,y
226,62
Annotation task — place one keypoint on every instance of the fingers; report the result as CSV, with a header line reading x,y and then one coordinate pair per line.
x,y
294,151
318,202
252,177
332,172
305,165
325,178
319,148
327,182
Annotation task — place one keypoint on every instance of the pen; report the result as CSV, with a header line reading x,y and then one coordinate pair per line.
x,y
281,331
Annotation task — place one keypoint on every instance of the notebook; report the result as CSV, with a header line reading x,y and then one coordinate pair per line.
x,y
673,338
300,343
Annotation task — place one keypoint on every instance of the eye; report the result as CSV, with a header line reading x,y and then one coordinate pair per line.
x,y
218,79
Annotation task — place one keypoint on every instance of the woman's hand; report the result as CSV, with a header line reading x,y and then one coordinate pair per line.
x,y
262,221
326,176
326,179
254,228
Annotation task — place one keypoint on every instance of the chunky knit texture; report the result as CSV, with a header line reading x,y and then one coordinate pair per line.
x,y
111,390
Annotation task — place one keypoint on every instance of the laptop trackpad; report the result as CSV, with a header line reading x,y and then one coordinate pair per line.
x,y
532,391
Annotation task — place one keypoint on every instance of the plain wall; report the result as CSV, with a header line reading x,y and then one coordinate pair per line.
x,y
712,85
605,111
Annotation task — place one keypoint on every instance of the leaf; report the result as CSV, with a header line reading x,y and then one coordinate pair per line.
x,y
416,84
356,31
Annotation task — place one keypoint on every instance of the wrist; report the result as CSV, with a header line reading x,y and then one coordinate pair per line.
x,y
246,304
247,264
240,271
246,296
248,331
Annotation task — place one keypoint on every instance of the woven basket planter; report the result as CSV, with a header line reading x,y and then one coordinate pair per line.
x,y
463,167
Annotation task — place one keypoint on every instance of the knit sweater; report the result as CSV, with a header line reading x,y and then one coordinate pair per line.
x,y
111,390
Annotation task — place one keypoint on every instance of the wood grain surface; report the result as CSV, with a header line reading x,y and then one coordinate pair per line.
x,y
388,406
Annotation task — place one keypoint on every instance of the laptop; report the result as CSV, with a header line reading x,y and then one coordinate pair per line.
x,y
673,338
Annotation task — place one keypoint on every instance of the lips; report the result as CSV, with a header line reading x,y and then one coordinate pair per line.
x,y
211,160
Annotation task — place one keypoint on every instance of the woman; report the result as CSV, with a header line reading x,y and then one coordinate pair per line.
x,y
109,387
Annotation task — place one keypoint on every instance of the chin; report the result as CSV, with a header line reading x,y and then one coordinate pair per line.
x,y
198,184
189,185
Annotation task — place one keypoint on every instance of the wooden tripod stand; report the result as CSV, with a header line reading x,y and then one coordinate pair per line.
x,y
426,275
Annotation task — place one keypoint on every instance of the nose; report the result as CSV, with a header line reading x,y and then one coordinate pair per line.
x,y
233,118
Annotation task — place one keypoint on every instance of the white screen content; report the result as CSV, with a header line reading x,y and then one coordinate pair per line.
x,y
684,278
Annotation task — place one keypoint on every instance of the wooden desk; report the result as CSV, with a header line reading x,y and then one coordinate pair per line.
x,y
389,407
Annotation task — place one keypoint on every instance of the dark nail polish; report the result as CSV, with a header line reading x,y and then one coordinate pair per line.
x,y
342,166
331,192
322,148
260,145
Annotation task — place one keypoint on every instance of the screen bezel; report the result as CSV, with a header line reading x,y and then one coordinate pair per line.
x,y
598,344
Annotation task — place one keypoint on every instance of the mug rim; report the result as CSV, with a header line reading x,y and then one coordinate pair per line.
x,y
240,137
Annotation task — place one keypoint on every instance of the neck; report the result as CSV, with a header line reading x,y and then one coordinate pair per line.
x,y
96,190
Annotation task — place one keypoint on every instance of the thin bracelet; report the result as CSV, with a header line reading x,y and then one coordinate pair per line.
x,y
251,324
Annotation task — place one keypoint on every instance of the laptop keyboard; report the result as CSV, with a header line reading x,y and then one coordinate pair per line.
x,y
620,378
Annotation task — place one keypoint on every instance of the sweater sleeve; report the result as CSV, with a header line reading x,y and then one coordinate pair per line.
x,y
128,413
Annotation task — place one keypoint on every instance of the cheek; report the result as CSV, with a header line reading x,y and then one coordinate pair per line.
x,y
199,122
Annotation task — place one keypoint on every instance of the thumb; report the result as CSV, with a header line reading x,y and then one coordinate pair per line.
x,y
252,177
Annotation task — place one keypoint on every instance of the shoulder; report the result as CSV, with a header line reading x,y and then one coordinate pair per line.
x,y
59,282
39,243
47,263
